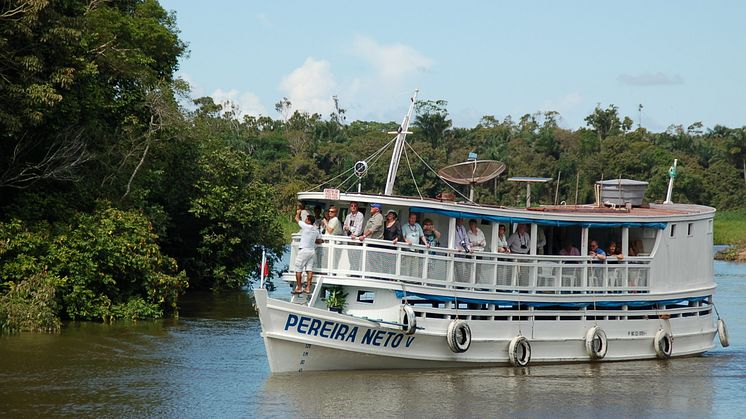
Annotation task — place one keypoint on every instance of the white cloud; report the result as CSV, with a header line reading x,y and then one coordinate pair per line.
x,y
650,79
311,86
392,62
563,104
248,103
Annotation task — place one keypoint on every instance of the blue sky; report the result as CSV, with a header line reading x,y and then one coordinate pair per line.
x,y
684,61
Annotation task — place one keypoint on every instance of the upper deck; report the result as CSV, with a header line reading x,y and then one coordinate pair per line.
x,y
545,214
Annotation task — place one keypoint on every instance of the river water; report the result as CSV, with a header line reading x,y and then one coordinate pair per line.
x,y
210,362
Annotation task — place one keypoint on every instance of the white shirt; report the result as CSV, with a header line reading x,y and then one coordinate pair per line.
x,y
355,223
478,242
501,241
308,235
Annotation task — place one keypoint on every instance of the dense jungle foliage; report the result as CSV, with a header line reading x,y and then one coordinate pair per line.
x,y
115,198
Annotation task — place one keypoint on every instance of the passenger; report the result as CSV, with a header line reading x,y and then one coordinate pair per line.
x,y
309,238
569,250
502,242
635,248
431,234
614,251
596,252
412,232
520,241
541,241
332,225
374,226
354,221
462,238
476,237
319,224
392,228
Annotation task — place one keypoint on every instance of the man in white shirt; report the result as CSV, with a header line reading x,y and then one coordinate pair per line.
x,y
354,222
476,237
520,241
309,238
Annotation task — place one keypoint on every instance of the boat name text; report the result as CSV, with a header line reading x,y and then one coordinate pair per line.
x,y
339,331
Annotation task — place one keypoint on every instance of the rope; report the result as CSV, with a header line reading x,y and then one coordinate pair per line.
x,y
439,177
375,155
409,166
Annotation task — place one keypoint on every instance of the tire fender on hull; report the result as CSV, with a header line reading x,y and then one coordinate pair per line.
x,y
519,351
723,333
459,336
408,319
663,344
596,343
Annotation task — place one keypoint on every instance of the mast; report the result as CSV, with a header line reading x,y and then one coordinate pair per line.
x,y
401,135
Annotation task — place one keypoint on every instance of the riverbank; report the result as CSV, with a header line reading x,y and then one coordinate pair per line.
x,y
730,229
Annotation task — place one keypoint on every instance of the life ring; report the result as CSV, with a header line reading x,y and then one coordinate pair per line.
x,y
723,333
663,344
408,319
459,336
596,343
519,351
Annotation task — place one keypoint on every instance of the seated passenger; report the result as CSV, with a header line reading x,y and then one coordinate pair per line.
x,y
569,250
596,252
614,251
520,241
431,234
476,237
392,228
502,242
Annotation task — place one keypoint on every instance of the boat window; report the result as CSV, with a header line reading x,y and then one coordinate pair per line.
x,y
673,230
641,241
690,230
605,236
364,296
559,238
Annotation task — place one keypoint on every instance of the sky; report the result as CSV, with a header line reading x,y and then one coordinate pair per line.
x,y
683,61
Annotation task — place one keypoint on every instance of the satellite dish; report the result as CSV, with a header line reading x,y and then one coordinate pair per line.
x,y
472,173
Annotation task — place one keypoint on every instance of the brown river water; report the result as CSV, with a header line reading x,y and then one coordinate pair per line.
x,y
211,362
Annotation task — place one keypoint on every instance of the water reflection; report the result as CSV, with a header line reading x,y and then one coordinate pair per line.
x,y
211,362
616,389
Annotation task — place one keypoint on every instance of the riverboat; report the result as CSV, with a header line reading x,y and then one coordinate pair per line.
x,y
413,306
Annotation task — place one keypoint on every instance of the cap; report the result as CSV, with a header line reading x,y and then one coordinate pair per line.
x,y
375,206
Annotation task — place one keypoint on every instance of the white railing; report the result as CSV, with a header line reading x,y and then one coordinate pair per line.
x,y
449,268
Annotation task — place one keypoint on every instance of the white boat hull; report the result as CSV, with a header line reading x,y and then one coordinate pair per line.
x,y
301,338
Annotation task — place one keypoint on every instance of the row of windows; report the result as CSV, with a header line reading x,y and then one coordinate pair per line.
x,y
690,229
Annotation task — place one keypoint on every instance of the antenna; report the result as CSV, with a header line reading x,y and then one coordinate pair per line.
x,y
401,135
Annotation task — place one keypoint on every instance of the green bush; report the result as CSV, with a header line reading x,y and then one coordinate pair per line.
x,y
30,306
101,266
